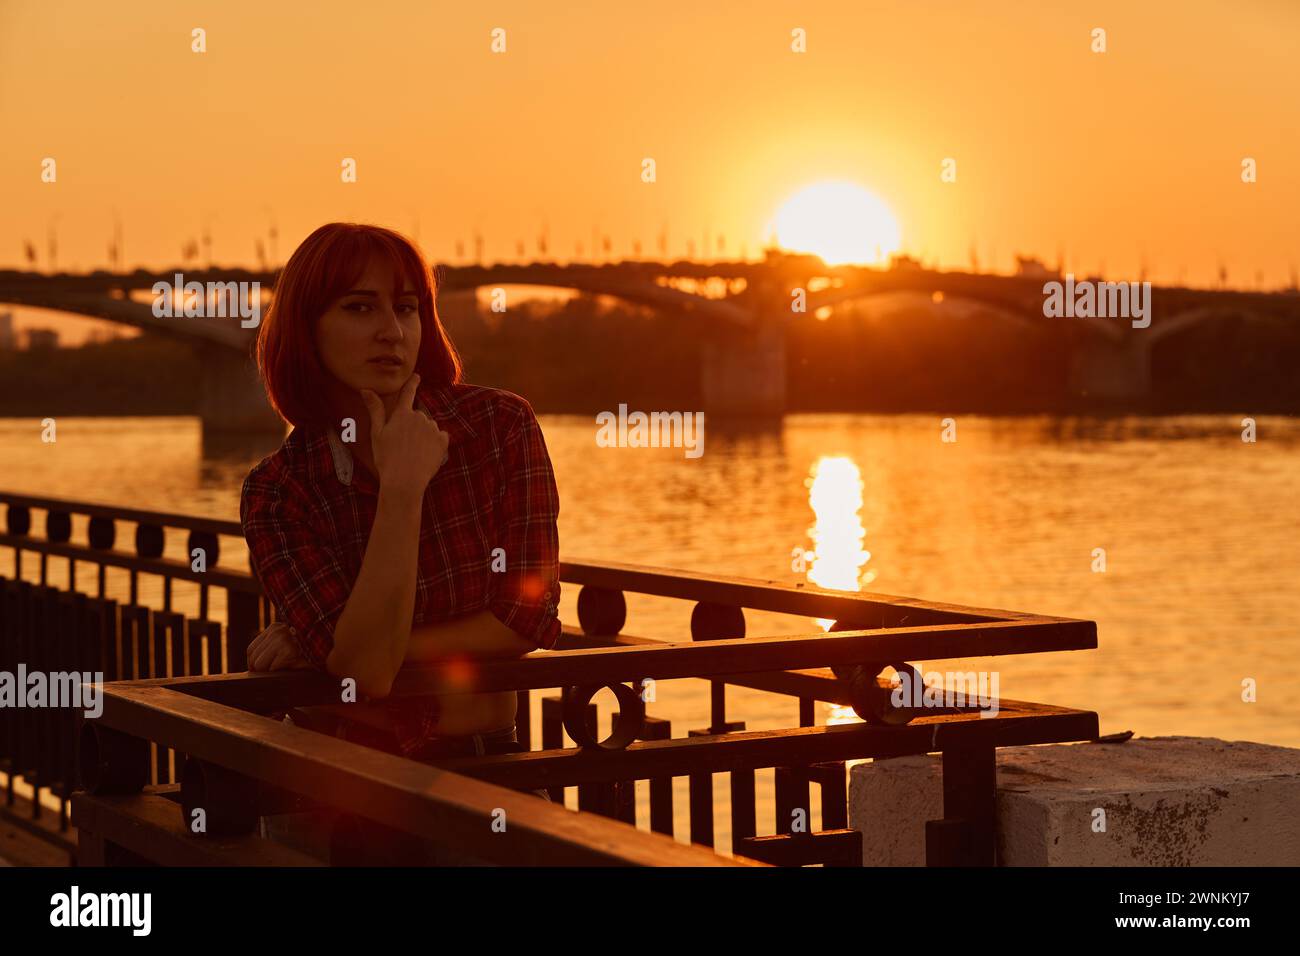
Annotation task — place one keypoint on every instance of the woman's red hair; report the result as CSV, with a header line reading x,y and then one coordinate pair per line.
x,y
322,268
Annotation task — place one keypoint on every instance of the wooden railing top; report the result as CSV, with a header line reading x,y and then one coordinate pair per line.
x,y
769,595
664,660
404,794
1016,724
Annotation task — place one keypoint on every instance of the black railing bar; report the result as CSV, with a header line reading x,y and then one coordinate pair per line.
x,y
667,661
118,558
413,797
769,595
118,512
794,746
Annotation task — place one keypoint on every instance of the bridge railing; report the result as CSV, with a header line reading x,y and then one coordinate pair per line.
x,y
241,765
190,657
125,592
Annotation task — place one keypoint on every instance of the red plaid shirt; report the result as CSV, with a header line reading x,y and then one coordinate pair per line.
x,y
307,515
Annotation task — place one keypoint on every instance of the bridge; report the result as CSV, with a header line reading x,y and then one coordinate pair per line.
x,y
738,309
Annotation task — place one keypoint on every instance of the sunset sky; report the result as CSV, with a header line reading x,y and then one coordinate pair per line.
x,y
1113,159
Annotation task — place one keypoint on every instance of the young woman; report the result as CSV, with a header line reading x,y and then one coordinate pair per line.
x,y
409,516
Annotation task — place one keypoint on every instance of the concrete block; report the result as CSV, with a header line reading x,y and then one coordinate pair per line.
x,y
1162,801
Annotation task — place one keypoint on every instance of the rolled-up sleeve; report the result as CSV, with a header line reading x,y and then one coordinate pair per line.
x,y
526,593
301,577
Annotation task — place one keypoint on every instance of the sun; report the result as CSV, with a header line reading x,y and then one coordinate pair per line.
x,y
840,221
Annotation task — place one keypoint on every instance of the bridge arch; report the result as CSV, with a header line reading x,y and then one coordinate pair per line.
x,y
225,333
648,294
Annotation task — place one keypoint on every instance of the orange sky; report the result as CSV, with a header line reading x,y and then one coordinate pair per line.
x,y
1113,158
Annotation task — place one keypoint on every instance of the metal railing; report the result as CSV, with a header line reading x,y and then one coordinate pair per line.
x,y
183,719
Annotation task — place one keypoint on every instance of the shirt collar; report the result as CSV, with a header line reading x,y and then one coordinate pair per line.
x,y
440,401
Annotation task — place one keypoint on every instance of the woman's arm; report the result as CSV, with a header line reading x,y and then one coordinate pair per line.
x,y
480,635
357,629
371,635
522,613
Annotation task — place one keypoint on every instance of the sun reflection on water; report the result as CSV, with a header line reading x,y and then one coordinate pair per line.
x,y
837,558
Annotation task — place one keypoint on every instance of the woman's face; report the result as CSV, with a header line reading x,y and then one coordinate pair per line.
x,y
370,336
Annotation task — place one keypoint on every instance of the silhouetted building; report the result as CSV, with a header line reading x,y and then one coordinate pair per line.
x,y
1032,267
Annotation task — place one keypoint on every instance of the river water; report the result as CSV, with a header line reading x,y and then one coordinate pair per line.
x,y
1197,528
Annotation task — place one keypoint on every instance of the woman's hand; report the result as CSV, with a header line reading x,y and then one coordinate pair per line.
x,y
275,649
409,447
